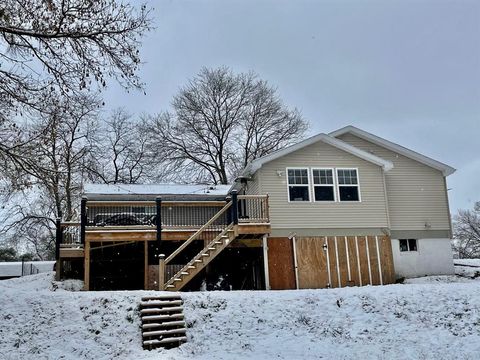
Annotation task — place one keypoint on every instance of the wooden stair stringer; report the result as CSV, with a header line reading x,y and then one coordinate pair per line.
x,y
202,259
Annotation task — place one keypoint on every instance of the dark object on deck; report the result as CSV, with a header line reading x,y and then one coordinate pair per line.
x,y
123,219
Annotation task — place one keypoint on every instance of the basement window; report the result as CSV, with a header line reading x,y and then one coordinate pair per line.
x,y
323,185
298,186
408,245
348,186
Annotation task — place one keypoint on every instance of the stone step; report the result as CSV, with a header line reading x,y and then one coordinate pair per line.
x,y
163,324
162,317
164,341
168,296
161,303
164,333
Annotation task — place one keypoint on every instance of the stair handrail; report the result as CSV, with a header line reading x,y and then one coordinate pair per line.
x,y
224,231
197,234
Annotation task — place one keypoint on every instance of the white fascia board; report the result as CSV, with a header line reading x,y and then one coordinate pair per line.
x,y
253,166
445,169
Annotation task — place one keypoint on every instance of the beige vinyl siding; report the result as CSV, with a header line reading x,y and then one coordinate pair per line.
x,y
253,186
369,213
416,192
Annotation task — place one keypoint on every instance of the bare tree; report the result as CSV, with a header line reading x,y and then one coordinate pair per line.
x,y
467,233
119,151
220,122
67,45
61,48
54,185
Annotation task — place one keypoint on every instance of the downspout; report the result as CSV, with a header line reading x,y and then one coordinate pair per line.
x,y
386,201
450,225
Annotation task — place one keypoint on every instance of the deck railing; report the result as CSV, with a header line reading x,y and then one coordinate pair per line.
x,y
192,215
141,214
253,209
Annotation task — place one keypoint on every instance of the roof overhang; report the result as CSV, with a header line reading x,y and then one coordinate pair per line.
x,y
445,169
253,166
148,192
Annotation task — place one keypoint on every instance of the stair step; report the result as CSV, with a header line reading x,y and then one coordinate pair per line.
x,y
218,242
205,254
170,286
163,324
161,310
161,303
212,248
191,267
177,279
184,273
164,341
163,317
164,332
197,260
169,296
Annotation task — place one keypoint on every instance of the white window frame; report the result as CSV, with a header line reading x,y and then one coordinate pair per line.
x,y
307,185
334,185
340,185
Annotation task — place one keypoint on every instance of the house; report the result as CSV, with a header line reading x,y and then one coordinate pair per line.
x,y
341,209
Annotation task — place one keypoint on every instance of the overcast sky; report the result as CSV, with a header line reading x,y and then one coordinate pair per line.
x,y
408,71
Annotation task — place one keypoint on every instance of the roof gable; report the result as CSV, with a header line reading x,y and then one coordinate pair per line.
x,y
445,169
256,164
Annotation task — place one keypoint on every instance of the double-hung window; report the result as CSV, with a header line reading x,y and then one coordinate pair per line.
x,y
323,185
298,185
348,189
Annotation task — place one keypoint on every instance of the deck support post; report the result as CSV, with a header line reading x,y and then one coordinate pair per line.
x,y
86,276
158,223
265,262
83,219
235,207
58,241
145,265
161,272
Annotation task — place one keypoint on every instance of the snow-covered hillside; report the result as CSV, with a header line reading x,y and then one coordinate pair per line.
x,y
438,318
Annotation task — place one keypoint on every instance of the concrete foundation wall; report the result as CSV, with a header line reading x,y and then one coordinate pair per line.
x,y
433,257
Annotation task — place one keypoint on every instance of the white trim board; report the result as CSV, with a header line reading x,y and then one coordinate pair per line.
x,y
445,169
253,166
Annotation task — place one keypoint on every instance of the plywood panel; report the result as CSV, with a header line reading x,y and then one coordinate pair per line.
x,y
352,258
372,248
362,251
333,262
280,263
386,256
311,262
342,261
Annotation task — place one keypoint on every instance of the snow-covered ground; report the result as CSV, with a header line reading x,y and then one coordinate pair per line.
x,y
429,318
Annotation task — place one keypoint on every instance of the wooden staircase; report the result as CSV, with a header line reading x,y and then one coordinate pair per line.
x,y
163,322
218,233
202,259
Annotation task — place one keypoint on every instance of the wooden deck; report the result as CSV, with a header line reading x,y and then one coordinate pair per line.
x,y
101,234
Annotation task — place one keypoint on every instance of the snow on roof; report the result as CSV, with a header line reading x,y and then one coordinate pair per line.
x,y
445,169
14,268
258,163
155,189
